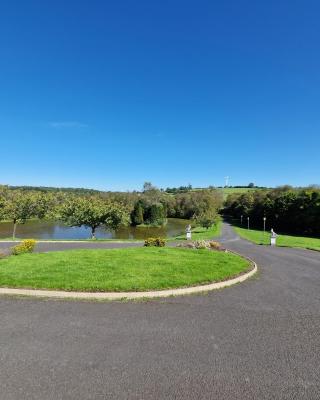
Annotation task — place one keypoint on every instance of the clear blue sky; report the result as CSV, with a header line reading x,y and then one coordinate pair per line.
x,y
109,94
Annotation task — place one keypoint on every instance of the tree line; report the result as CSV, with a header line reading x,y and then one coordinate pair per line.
x,y
93,211
151,206
154,206
287,209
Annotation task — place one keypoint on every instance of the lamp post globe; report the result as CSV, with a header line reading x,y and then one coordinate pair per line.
x,y
264,226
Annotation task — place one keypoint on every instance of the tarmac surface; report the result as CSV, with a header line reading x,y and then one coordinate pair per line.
x,y
256,340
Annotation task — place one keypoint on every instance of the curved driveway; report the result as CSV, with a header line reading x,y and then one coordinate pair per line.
x,y
257,340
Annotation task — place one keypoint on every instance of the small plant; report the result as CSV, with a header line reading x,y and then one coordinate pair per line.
x,y
197,244
26,246
214,245
155,242
149,242
201,244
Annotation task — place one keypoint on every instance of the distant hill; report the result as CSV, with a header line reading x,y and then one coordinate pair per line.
x,y
55,189
231,190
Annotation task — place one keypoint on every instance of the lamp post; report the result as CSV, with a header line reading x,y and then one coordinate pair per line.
x,y
264,228
241,219
248,218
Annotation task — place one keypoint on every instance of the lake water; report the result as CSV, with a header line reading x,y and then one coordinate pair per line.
x,y
58,230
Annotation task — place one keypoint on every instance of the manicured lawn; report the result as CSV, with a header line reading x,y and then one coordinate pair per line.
x,y
200,233
256,236
137,269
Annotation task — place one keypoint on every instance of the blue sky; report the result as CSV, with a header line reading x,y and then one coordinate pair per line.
x,y
111,94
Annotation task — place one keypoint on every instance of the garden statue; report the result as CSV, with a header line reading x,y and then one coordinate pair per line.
x,y
188,232
273,237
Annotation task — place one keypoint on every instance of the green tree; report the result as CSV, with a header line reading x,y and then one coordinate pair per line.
x,y
206,219
155,214
44,204
18,207
93,212
287,209
3,196
137,213
151,193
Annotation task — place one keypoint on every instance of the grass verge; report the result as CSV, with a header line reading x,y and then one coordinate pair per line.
x,y
134,269
256,236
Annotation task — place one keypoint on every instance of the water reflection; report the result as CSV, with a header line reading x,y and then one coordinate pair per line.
x,y
57,230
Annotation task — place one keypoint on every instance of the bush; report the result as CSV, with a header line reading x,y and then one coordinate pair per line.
x,y
154,242
26,246
197,244
137,214
155,214
201,244
214,245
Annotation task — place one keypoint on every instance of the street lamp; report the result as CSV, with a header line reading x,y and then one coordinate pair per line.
x,y
264,228
248,218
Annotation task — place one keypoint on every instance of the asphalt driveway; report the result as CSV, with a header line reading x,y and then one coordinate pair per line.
x,y
256,340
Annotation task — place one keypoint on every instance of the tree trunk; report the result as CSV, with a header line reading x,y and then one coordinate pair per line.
x,y
14,229
93,232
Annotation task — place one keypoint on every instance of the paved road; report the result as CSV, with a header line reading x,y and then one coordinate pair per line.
x,y
257,340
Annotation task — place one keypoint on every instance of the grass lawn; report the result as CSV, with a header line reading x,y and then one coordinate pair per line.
x,y
230,190
200,233
256,236
9,239
135,269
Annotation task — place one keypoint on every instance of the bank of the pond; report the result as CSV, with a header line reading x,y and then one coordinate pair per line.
x,y
134,269
200,233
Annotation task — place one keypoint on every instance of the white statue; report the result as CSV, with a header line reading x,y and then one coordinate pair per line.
x,y
273,237
188,232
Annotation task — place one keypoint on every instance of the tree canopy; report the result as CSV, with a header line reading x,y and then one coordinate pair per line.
x,y
93,212
285,208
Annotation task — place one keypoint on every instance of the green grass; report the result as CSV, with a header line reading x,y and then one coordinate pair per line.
x,y
9,239
227,191
200,233
137,269
256,236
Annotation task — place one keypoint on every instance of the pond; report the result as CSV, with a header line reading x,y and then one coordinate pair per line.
x,y
37,229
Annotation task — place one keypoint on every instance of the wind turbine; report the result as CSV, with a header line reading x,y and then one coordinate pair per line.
x,y
227,181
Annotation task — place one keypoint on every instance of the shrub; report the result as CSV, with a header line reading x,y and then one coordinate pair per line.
x,y
137,214
155,214
214,245
197,244
205,219
26,246
201,244
149,242
154,242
